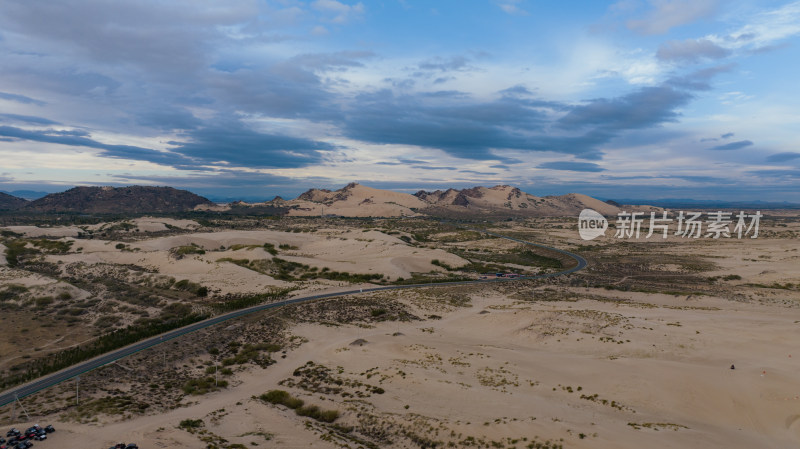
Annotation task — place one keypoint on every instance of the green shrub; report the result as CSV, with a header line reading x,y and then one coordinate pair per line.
x,y
314,412
203,385
191,424
182,251
12,291
43,301
283,398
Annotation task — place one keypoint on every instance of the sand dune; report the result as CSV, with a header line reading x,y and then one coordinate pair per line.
x,y
355,200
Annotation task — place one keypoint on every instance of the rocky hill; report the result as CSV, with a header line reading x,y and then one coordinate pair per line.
x,y
124,200
506,200
355,200
10,202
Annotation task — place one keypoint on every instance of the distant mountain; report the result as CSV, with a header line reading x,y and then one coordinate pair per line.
x,y
26,194
510,201
10,202
131,200
355,200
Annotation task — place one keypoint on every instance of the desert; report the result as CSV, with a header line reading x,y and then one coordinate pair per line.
x,y
399,224
665,343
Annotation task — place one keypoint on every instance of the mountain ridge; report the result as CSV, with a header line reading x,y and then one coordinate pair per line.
x,y
11,202
356,200
131,199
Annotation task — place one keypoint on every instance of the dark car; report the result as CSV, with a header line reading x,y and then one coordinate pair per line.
x,y
13,433
132,446
49,428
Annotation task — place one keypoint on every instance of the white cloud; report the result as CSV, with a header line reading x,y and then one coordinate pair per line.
x,y
690,51
512,7
764,29
668,14
319,30
337,11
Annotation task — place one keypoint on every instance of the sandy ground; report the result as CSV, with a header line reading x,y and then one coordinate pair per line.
x,y
511,368
354,252
504,368
144,224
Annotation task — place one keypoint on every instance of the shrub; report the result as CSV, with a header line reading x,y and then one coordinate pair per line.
x,y
311,411
191,424
182,251
44,301
203,385
12,291
283,398
314,412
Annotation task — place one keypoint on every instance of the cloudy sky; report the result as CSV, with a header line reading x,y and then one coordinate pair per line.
x,y
256,98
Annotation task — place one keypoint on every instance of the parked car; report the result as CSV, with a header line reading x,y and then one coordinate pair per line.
x,y
49,428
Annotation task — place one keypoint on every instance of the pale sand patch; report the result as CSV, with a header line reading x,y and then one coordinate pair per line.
x,y
354,252
55,231
153,224
470,368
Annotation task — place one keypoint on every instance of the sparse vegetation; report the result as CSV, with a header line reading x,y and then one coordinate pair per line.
x,y
281,397
180,252
203,385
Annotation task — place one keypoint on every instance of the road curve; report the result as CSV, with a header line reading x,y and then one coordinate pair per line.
x,y
50,380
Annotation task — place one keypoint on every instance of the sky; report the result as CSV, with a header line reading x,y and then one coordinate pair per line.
x,y
248,99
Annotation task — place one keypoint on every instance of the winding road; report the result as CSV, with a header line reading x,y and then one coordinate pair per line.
x,y
50,380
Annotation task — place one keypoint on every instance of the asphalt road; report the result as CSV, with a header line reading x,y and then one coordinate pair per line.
x,y
50,380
